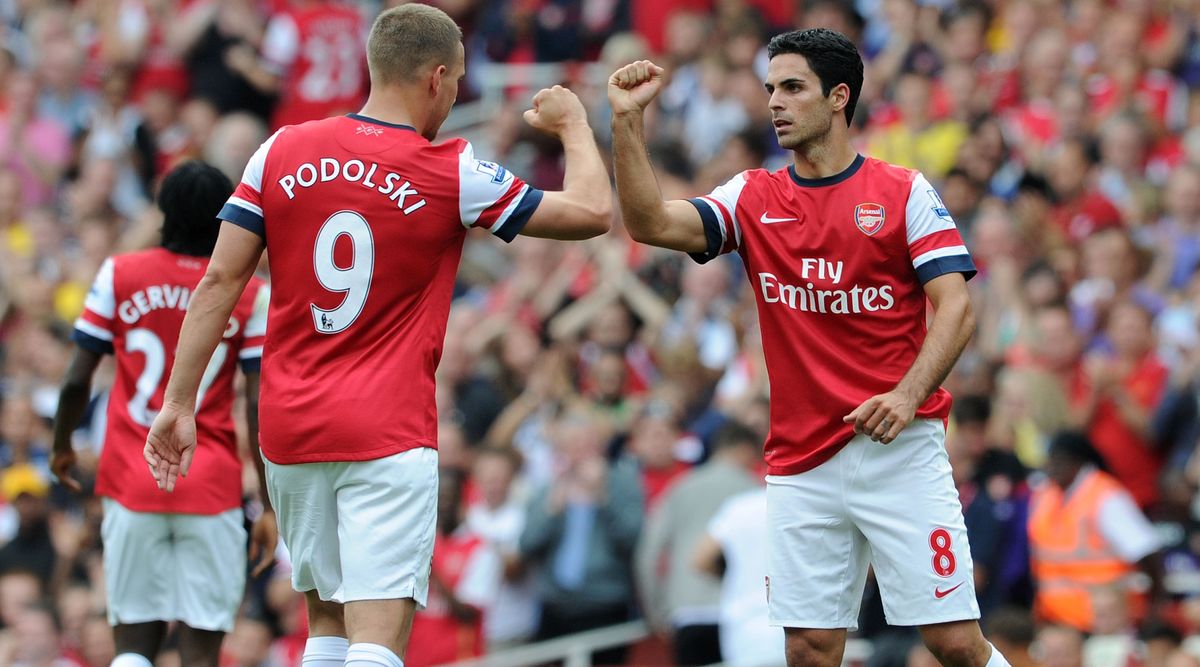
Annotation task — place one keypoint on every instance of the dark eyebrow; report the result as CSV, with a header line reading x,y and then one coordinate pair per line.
x,y
792,80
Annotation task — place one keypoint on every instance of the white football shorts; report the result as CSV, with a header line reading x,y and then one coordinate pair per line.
x,y
893,507
359,530
173,567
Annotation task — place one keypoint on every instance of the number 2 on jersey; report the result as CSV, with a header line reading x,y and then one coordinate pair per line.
x,y
151,347
354,280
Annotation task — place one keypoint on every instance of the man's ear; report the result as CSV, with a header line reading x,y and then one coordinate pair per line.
x,y
436,79
839,96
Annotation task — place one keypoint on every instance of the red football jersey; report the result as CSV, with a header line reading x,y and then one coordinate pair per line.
x,y
364,224
837,266
318,52
134,311
469,568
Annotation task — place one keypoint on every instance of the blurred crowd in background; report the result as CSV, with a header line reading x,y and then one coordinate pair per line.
x,y
603,404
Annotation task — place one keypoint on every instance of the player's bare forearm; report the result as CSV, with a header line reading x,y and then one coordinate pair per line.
x,y
260,469
649,219
73,397
884,416
233,262
583,208
72,402
951,329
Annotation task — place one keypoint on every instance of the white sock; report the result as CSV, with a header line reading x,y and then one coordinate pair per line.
x,y
325,652
997,660
130,660
371,655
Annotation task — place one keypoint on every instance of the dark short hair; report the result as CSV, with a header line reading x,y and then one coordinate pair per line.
x,y
972,409
1075,446
190,198
830,54
734,434
1011,624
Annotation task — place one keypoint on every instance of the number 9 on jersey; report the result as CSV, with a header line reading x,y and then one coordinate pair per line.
x,y
354,281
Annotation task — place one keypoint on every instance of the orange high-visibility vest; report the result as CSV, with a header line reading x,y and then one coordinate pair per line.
x,y
1071,558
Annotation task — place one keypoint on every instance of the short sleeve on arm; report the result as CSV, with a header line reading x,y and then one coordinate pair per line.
x,y
250,356
718,212
244,208
281,43
934,244
492,197
94,327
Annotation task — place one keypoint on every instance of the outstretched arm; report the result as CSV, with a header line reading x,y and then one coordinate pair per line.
x,y
883,417
668,224
172,438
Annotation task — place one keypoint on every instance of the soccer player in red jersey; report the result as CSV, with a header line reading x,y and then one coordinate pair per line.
x,y
313,48
364,220
842,252
133,312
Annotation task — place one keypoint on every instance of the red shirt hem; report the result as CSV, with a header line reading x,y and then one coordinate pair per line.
x,y
346,457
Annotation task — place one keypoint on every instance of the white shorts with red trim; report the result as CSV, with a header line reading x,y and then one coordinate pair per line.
x,y
893,507
359,530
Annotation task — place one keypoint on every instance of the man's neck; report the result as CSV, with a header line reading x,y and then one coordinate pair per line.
x,y
822,159
391,106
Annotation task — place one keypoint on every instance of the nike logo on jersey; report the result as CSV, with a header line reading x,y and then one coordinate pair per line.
x,y
767,220
939,593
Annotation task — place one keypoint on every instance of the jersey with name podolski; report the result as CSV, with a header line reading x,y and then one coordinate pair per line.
x,y
364,223
837,266
134,311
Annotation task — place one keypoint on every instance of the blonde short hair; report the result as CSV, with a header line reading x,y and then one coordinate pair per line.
x,y
408,38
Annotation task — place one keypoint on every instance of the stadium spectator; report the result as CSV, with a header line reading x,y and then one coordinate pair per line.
x,y
581,531
1012,630
1058,646
734,547
1110,539
465,576
498,518
679,602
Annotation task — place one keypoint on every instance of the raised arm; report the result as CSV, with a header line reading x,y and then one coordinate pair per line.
x,y
672,224
172,438
583,208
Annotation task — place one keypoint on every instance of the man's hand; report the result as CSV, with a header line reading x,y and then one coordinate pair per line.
x,y
634,86
883,416
264,537
61,464
170,445
555,109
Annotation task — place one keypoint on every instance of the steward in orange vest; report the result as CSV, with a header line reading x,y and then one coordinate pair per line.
x,y
1073,558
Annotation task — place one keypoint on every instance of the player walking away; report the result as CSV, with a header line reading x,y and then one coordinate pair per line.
x,y
134,312
364,221
842,252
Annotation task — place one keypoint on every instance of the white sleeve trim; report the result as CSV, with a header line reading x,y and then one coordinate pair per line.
x,y
93,330
281,44
251,352
508,211
101,299
242,203
948,251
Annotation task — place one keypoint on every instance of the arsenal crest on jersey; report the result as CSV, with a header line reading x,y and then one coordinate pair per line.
x,y
869,218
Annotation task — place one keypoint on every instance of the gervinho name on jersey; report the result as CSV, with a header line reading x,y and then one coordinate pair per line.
x,y
394,186
808,298
153,297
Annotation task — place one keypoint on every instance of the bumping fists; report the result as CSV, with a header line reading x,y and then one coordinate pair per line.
x,y
634,86
555,109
